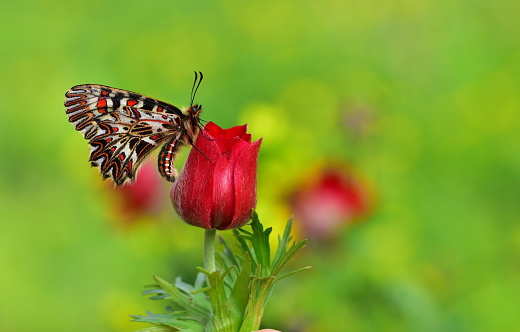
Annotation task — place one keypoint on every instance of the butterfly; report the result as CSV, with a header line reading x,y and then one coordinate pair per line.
x,y
123,127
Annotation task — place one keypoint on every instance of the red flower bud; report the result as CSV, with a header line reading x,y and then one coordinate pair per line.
x,y
217,187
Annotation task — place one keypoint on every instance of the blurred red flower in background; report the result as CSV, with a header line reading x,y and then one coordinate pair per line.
x,y
142,198
332,199
217,187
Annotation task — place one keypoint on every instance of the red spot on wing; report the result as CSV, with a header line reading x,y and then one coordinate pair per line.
x,y
131,102
122,156
104,93
114,129
102,105
159,109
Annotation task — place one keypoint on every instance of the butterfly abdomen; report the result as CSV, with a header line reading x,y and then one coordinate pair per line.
x,y
166,159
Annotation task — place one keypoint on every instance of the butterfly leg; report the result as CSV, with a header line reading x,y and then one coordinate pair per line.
x,y
167,158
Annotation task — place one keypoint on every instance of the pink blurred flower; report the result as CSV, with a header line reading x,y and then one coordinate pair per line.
x,y
141,198
333,199
217,187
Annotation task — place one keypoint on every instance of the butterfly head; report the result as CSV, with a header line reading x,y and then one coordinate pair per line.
x,y
194,111
192,114
191,121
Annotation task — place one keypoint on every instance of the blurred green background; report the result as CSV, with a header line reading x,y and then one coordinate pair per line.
x,y
438,82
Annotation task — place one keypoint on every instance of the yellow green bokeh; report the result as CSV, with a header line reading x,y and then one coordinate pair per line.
x,y
439,82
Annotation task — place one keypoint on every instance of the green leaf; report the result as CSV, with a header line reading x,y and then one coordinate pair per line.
x,y
221,320
199,300
240,294
260,291
159,329
260,242
227,254
242,243
286,256
173,321
283,242
156,293
182,300
259,250
291,273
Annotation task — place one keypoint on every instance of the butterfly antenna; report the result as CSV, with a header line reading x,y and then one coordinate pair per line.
x,y
196,85
193,88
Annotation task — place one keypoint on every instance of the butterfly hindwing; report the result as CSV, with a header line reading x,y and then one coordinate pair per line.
x,y
122,128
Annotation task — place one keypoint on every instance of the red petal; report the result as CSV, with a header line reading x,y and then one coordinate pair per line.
x,y
237,131
192,192
223,180
246,137
213,129
226,146
216,131
245,185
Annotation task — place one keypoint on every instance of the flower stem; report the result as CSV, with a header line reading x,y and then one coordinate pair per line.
x,y
209,250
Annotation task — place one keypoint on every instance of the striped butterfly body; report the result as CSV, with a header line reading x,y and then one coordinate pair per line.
x,y
123,127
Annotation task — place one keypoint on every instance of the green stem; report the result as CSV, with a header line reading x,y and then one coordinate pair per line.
x,y
209,250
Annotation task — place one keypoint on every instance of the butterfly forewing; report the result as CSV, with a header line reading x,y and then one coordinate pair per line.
x,y
123,127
